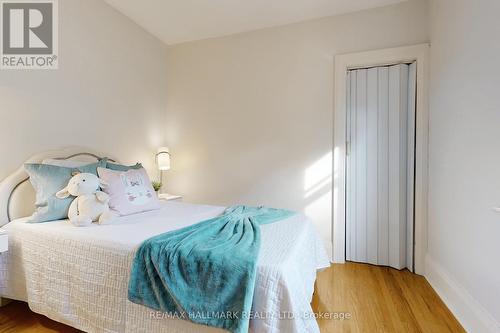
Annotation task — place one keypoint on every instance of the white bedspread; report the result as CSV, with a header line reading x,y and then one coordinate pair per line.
x,y
79,276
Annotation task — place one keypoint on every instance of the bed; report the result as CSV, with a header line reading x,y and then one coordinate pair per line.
x,y
79,276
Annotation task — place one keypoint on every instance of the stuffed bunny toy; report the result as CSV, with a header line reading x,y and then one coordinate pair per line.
x,y
90,204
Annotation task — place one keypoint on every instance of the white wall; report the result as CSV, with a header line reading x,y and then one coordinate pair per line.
x,y
464,232
109,92
250,116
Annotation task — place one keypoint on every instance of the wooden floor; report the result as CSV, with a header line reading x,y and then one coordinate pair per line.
x,y
370,299
17,317
380,299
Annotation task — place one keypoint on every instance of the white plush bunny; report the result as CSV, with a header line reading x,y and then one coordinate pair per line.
x,y
90,204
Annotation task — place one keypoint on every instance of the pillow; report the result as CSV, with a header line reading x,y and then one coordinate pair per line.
x,y
120,167
129,191
47,180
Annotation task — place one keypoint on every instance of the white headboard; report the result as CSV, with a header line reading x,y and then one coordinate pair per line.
x,y
17,197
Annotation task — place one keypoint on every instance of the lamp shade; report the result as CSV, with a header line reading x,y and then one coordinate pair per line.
x,y
163,158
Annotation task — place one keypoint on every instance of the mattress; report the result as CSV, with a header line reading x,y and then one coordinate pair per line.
x,y
79,276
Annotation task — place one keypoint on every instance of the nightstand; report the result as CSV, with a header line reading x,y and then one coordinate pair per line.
x,y
169,197
4,241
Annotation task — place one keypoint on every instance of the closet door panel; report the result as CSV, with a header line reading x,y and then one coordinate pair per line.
x,y
361,167
410,184
383,166
348,170
351,186
394,158
372,166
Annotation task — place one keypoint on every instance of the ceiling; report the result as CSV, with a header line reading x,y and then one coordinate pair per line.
x,y
177,21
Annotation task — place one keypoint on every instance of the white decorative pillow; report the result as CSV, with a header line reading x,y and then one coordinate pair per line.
x,y
130,191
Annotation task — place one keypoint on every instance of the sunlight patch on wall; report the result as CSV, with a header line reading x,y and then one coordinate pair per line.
x,y
318,196
318,175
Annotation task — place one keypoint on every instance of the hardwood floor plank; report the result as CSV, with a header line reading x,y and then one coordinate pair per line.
x,y
378,299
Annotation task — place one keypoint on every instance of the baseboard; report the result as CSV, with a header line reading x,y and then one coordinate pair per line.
x,y
4,301
472,315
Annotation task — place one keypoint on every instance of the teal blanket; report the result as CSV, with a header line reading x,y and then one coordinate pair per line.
x,y
206,272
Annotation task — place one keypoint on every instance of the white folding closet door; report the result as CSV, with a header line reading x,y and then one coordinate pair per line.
x,y
380,165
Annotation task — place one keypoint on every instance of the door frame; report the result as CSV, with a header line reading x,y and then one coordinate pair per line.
x,y
343,63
